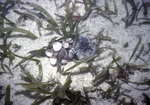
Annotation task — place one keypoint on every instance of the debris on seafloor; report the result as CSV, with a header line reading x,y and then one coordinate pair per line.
x,y
69,49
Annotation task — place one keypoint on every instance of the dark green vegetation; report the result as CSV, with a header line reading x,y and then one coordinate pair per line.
x,y
67,27
60,93
134,14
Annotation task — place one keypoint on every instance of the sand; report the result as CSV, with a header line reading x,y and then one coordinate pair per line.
x,y
93,24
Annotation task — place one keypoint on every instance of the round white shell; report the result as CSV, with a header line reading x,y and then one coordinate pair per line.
x,y
66,45
53,61
64,62
49,52
57,46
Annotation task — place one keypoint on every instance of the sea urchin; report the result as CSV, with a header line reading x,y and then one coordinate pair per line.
x,y
84,46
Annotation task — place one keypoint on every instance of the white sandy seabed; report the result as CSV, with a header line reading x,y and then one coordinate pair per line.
x,y
94,24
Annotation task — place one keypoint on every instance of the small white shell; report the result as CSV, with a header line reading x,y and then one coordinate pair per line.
x,y
48,52
66,45
57,46
64,62
69,40
71,53
53,61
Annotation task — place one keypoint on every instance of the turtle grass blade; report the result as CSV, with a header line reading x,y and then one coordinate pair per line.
x,y
126,8
80,62
9,21
1,73
87,14
141,83
39,90
38,102
2,47
146,98
144,5
64,37
1,24
2,65
147,51
59,83
105,15
132,102
116,94
130,19
87,96
132,3
1,96
139,53
64,4
38,53
144,23
29,16
69,17
10,57
30,76
122,101
145,8
30,35
68,11
9,70
76,35
51,28
82,70
116,59
115,7
51,42
126,95
73,8
40,75
126,45
75,28
85,5
5,5
106,5
60,16
135,49
103,75
66,85
134,66
63,28
41,9
107,38
99,37
30,57
28,85
36,87
16,47
7,99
